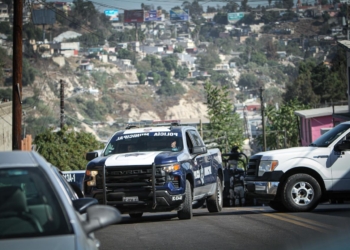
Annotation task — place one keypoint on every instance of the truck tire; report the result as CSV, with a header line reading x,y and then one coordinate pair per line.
x,y
135,215
215,202
278,206
301,193
186,212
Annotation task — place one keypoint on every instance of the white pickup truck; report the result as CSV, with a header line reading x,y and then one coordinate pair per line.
x,y
298,179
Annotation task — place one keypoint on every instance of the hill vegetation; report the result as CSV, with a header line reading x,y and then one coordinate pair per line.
x,y
105,99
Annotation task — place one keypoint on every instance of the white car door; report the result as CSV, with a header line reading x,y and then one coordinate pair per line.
x,y
340,167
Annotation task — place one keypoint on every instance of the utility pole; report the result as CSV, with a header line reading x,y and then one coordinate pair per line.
x,y
262,118
17,75
62,103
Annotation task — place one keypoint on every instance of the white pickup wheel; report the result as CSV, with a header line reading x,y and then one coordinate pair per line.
x,y
301,193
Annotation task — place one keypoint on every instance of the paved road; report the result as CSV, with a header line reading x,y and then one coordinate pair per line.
x,y
327,227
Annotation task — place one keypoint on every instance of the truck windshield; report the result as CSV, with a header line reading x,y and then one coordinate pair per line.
x,y
330,136
144,142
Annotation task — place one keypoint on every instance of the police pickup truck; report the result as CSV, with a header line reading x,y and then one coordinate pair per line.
x,y
155,169
297,179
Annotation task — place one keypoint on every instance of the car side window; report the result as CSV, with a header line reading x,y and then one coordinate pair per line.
x,y
189,141
196,141
29,206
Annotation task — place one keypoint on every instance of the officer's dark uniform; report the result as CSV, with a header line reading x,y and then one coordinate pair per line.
x,y
236,184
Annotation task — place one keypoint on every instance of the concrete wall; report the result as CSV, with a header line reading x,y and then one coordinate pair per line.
x,y
59,60
6,126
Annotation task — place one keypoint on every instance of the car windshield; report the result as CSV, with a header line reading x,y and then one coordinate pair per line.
x,y
29,207
144,142
330,136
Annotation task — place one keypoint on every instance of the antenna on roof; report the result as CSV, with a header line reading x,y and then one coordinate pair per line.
x,y
174,124
131,126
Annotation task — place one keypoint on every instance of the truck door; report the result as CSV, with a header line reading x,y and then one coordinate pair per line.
x,y
202,169
340,167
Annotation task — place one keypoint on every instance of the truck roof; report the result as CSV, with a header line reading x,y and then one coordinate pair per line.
x,y
173,128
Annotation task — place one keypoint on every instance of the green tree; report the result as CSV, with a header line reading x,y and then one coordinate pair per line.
x,y
6,94
271,49
5,63
30,31
288,4
194,7
168,88
248,81
259,58
156,63
126,54
141,77
270,16
170,62
231,6
208,60
223,121
244,5
181,73
178,49
28,73
143,67
282,126
301,88
66,149
5,28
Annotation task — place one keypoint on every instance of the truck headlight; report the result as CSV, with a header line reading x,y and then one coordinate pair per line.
x,y
92,174
171,168
267,166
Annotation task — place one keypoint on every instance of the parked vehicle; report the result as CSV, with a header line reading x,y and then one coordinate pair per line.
x,y
154,169
38,209
298,179
75,179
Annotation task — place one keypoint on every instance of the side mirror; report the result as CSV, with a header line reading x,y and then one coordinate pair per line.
x,y
82,204
100,216
199,150
91,155
342,146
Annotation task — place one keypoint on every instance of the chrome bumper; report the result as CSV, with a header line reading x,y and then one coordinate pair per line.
x,y
262,188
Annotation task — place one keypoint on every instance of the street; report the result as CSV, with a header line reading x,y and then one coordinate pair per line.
x,y
327,227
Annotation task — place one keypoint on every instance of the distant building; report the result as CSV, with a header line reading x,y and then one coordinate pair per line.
x,y
4,15
313,121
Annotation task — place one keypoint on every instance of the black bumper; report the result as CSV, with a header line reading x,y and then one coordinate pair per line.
x,y
263,187
164,201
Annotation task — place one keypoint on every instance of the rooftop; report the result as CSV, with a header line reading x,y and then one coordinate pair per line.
x,y
311,113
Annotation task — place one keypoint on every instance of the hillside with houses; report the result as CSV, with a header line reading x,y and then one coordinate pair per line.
x,y
116,72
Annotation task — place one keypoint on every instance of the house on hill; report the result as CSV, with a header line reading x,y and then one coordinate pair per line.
x,y
315,122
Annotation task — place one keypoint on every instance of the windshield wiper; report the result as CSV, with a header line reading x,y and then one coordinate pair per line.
x,y
313,145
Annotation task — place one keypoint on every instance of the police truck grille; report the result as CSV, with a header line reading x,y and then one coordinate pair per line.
x,y
132,176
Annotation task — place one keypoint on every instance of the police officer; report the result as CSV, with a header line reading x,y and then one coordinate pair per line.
x,y
236,181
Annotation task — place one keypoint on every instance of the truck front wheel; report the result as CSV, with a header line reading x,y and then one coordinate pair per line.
x,y
186,212
301,193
